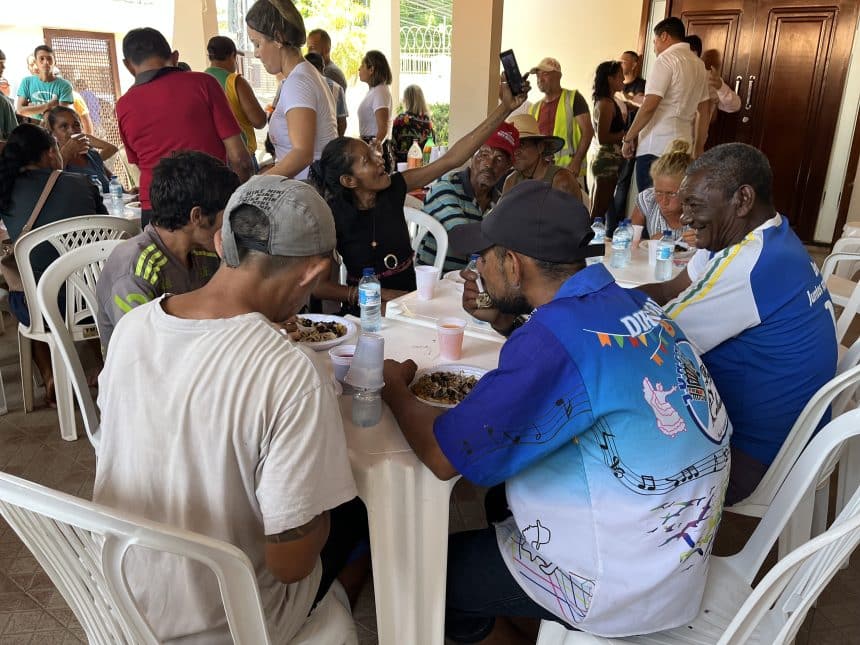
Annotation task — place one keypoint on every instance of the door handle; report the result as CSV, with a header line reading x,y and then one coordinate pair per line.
x,y
750,93
738,80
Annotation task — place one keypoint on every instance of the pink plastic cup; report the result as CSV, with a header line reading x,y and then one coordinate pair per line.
x,y
450,332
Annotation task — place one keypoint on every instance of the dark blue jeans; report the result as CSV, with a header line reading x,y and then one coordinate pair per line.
x,y
481,587
643,171
618,208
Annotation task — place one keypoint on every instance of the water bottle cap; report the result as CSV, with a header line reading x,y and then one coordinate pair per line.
x,y
474,256
367,271
598,219
667,232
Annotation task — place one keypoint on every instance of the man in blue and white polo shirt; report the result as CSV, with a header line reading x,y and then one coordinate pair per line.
x,y
604,426
753,304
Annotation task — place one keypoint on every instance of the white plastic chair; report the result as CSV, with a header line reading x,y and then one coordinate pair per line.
x,y
82,545
838,272
79,269
732,612
420,224
64,235
837,392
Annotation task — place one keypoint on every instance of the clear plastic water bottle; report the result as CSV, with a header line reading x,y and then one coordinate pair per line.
x,y
366,407
599,239
621,241
370,301
116,206
665,255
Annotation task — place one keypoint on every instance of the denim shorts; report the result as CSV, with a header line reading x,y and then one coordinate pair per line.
x,y
480,587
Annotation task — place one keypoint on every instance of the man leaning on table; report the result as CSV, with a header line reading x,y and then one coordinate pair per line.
x,y
603,425
175,252
243,441
753,303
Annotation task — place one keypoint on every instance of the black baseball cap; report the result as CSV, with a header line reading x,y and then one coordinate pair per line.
x,y
533,219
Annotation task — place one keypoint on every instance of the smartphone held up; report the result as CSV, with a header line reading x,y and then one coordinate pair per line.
x,y
512,71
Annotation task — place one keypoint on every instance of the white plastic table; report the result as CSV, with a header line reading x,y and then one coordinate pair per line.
x,y
638,271
447,301
407,506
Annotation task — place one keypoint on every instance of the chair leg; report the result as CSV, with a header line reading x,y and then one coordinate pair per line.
x,y
849,477
25,354
65,397
797,529
819,513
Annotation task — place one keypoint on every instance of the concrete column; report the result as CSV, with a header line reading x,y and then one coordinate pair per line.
x,y
475,44
194,23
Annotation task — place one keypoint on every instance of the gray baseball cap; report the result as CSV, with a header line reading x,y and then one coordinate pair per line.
x,y
533,219
300,221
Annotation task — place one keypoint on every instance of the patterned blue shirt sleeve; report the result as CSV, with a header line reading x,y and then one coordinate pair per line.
x,y
529,407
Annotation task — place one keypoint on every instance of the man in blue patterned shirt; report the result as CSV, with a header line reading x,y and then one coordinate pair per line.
x,y
602,423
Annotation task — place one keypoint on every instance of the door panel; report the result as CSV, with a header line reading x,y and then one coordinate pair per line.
x,y
788,120
796,57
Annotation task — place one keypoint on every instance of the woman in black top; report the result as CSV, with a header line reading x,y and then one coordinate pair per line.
x,y
26,162
609,128
367,205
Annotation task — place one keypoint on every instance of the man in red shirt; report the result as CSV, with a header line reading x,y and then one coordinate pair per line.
x,y
165,111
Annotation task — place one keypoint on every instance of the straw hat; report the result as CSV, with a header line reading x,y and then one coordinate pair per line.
x,y
527,126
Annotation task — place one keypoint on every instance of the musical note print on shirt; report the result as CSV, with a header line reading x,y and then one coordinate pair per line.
x,y
651,484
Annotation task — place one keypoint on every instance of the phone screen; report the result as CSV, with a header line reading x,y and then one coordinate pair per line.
x,y
512,71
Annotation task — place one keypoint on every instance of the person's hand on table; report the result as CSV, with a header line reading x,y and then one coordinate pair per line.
x,y
502,323
397,376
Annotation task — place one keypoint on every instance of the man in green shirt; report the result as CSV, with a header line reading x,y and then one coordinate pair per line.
x,y
38,94
8,122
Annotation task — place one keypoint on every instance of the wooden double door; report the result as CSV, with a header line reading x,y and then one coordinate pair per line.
x,y
788,60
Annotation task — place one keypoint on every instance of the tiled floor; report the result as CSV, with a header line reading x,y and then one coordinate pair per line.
x,y
32,611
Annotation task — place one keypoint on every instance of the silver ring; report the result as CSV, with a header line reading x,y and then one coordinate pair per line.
x,y
392,258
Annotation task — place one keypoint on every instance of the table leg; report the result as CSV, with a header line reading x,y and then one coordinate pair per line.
x,y
407,509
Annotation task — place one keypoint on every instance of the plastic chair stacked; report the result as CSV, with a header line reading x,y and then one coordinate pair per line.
x,y
735,613
64,235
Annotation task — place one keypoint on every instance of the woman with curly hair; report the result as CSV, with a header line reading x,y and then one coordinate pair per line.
x,y
303,120
609,126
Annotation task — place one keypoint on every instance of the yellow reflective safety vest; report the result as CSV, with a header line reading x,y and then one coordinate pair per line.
x,y
565,127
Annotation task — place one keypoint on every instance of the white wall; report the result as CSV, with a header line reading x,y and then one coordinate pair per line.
x,y
580,34
21,25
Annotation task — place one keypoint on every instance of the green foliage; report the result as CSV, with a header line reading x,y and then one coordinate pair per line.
x,y
345,22
439,116
424,13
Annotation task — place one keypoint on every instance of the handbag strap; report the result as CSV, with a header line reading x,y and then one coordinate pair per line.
x,y
46,191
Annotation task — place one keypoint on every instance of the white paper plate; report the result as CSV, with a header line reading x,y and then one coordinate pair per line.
x,y
454,276
468,370
328,344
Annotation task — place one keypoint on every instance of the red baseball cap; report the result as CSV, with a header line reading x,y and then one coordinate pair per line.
x,y
506,138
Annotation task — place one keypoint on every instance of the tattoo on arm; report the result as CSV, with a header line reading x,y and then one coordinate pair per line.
x,y
291,535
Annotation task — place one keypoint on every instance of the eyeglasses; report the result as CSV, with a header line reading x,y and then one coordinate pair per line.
x,y
665,194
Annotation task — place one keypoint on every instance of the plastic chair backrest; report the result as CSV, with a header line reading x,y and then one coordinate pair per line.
x,y
420,224
64,236
795,582
82,545
798,437
846,269
80,269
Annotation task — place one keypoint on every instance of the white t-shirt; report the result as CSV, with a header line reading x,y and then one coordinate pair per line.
x,y
378,97
226,428
303,88
680,78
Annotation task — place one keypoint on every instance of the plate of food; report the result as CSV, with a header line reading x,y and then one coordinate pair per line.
x,y
322,331
444,386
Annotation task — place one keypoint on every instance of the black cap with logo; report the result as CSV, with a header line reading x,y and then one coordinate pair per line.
x,y
533,219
